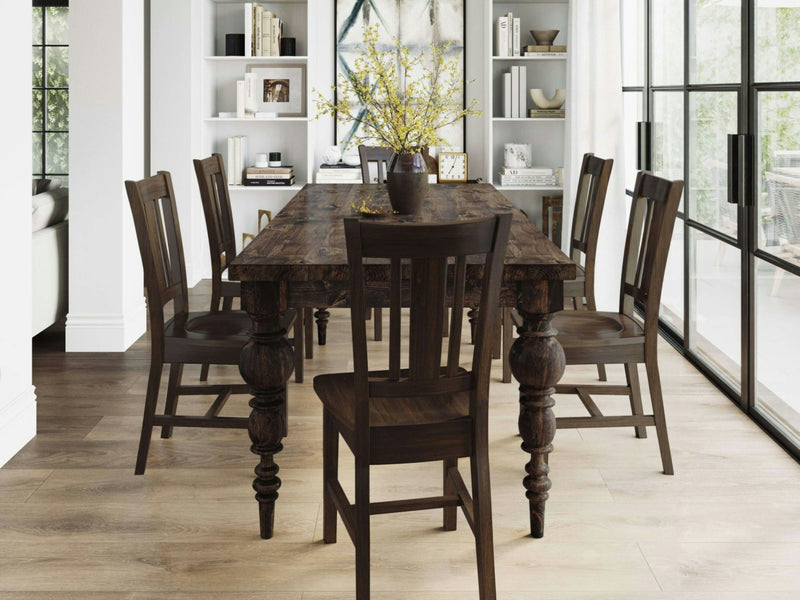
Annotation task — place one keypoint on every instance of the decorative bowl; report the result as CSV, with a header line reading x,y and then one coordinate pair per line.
x,y
542,101
544,37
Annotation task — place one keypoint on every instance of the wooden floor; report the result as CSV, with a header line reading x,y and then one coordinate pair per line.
x,y
75,523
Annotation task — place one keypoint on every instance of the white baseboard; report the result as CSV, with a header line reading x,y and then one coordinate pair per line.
x,y
105,333
17,424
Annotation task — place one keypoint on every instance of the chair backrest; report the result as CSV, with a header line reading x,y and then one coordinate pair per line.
x,y
427,273
653,210
378,155
588,211
217,210
155,217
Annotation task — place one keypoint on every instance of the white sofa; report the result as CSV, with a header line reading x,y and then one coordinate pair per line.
x,y
50,209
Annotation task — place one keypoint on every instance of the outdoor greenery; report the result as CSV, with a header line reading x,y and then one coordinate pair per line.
x,y
50,94
402,101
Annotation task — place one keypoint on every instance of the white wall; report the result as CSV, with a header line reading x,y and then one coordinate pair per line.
x,y
17,399
106,302
176,45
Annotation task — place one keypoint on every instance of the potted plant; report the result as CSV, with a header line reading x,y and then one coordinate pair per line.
x,y
402,101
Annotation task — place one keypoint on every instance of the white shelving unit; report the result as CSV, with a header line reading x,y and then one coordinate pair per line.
x,y
291,136
547,137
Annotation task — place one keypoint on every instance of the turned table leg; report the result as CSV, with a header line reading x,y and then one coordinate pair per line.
x,y
322,316
266,364
537,362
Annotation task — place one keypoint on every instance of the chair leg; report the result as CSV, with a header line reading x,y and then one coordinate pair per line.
x,y
308,326
450,517
654,381
297,342
153,384
330,473
362,531
632,376
497,349
482,508
601,372
204,372
378,324
171,406
508,339
590,305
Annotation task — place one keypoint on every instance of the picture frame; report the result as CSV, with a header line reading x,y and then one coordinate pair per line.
x,y
281,89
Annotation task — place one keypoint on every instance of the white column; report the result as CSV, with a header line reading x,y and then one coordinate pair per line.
x,y
17,399
106,302
175,90
594,109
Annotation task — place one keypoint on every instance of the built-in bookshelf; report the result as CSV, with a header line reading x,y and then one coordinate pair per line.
x,y
548,71
289,135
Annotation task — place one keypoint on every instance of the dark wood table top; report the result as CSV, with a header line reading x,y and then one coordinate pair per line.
x,y
305,242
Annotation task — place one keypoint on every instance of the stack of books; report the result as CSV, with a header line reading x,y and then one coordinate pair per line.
x,y
532,176
506,37
237,158
546,113
339,173
262,31
515,92
269,176
542,50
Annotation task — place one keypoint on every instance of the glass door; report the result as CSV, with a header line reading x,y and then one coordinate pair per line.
x,y
776,239
731,298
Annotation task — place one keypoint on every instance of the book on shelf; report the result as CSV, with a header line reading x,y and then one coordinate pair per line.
x,y
515,41
248,29
268,182
515,92
323,178
339,165
343,175
547,113
507,95
501,36
266,27
545,48
249,175
275,36
258,30
240,98
524,180
529,171
545,54
285,170
237,158
510,40
523,89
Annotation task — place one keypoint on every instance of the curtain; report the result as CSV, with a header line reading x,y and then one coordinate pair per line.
x,y
594,124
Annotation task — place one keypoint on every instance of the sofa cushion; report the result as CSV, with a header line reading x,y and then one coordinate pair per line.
x,y
44,185
49,208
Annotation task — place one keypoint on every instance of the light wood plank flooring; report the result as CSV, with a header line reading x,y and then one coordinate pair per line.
x,y
75,523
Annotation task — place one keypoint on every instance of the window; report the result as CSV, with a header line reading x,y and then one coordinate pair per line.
x,y
50,54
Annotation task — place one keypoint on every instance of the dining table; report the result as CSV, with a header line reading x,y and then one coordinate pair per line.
x,y
300,261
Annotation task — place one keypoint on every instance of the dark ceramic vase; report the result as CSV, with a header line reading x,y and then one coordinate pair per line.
x,y
407,182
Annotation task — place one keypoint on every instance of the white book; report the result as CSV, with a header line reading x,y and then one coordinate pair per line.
x,y
240,98
523,90
250,94
244,162
266,27
248,29
237,160
515,41
515,92
531,171
509,49
501,37
257,30
270,175
231,160
275,37
507,95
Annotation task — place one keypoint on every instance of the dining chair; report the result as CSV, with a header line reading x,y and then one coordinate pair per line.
x,y
213,184
590,199
424,411
215,337
592,337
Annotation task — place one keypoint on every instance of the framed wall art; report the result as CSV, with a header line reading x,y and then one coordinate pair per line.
x,y
280,89
414,23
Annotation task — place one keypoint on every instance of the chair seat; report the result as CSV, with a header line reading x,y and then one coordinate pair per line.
x,y
211,337
401,429
590,337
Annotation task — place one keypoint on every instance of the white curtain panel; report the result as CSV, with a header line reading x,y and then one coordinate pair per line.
x,y
594,104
